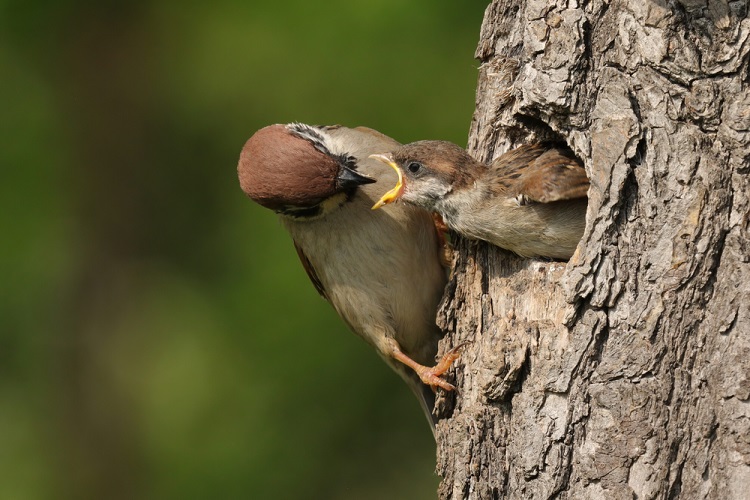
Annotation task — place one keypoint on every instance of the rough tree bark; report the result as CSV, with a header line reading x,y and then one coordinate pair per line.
x,y
624,373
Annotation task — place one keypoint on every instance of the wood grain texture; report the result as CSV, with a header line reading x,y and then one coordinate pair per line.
x,y
624,373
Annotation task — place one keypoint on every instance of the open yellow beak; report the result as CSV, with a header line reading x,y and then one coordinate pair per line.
x,y
394,193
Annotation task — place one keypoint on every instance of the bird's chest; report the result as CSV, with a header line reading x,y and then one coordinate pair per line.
x,y
354,266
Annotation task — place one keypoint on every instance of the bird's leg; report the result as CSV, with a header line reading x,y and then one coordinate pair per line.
x,y
428,375
446,250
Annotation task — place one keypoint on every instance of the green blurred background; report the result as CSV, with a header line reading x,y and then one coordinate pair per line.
x,y
158,337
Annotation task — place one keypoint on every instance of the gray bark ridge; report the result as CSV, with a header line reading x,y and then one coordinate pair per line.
x,y
624,373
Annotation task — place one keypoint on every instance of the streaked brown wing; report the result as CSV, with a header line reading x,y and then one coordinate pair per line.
x,y
552,174
310,270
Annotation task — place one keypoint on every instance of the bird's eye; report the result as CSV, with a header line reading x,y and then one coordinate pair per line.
x,y
414,167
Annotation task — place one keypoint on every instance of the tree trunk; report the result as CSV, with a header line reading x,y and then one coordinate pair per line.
x,y
624,373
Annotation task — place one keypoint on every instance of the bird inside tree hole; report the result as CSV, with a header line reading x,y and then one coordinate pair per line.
x,y
531,200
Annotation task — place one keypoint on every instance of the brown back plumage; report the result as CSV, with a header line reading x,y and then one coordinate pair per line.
x,y
541,173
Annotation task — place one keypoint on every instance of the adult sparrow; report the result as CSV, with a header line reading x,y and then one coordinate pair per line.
x,y
531,200
381,272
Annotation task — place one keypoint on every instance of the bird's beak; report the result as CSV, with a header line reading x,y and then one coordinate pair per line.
x,y
348,178
398,190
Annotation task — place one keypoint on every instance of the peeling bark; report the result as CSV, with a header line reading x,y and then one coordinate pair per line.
x,y
624,373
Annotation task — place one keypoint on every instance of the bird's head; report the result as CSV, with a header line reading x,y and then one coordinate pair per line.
x,y
291,169
427,172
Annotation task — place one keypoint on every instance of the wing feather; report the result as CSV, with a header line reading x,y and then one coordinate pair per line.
x,y
542,174
310,270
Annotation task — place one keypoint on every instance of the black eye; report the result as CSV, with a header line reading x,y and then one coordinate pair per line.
x,y
414,167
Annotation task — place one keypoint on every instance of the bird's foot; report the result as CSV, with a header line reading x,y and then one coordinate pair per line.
x,y
432,375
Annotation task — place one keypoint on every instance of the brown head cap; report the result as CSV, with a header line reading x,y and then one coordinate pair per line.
x,y
289,165
446,160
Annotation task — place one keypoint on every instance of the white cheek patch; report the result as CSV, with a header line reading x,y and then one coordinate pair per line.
x,y
433,187
341,143
427,191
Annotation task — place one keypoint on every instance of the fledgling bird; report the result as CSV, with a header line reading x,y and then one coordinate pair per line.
x,y
531,200
380,271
